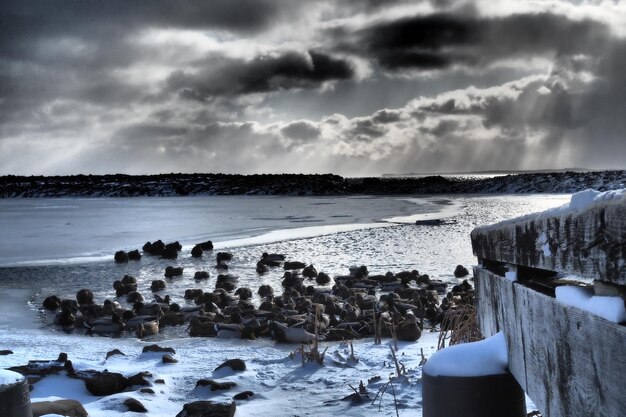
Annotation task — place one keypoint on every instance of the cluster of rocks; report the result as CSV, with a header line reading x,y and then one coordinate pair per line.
x,y
105,383
298,184
358,304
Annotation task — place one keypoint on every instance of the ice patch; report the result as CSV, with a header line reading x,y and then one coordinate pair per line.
x,y
487,357
608,307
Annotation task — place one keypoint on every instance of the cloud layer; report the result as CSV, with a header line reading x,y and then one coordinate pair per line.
x,y
351,87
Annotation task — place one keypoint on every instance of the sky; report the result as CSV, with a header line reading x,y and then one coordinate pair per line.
x,y
352,87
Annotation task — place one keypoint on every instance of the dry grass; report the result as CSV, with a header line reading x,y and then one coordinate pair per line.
x,y
459,325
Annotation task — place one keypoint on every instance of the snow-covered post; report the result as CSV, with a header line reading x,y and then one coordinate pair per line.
x,y
14,395
561,313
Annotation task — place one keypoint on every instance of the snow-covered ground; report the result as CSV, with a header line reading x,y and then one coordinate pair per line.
x,y
282,386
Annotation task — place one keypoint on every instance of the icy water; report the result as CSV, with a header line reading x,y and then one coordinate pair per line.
x,y
68,244
59,246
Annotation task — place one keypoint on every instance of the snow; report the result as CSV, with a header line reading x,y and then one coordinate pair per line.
x,y
608,307
486,357
583,200
511,275
282,386
579,202
9,379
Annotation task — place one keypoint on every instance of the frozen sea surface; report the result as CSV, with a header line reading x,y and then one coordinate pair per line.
x,y
281,385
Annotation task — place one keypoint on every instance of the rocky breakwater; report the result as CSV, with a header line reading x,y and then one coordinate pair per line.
x,y
310,305
301,185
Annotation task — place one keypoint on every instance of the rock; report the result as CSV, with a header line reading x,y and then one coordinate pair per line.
x,y
6,352
124,287
309,272
84,297
192,293
157,285
214,385
207,409
244,293
196,252
261,268
265,291
157,348
147,391
201,275
223,256
154,248
52,303
70,408
114,352
461,271
294,265
168,359
322,278
106,383
208,245
135,406
134,255
134,297
171,271
169,253
174,245
234,364
120,256
159,381
243,395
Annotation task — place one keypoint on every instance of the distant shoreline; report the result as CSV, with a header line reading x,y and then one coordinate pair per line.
x,y
168,185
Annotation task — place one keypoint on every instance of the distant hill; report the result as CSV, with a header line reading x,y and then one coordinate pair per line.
x,y
298,184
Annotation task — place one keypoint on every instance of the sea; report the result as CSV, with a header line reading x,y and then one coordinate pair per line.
x,y
59,246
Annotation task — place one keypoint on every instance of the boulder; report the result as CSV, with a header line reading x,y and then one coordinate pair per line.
x,y
201,275
243,395
169,253
171,271
461,271
223,256
168,359
322,278
106,383
135,406
114,352
196,251
84,296
309,272
157,285
52,303
134,255
69,408
207,409
234,364
208,245
293,265
157,348
120,256
214,385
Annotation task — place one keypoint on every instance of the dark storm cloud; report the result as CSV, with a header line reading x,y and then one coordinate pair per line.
x,y
365,128
301,130
25,21
385,116
441,40
221,76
